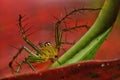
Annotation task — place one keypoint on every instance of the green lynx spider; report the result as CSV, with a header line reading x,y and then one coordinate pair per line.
x,y
46,51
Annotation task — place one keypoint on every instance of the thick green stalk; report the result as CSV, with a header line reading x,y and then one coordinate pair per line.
x,y
89,51
105,20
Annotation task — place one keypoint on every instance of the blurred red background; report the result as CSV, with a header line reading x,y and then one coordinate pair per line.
x,y
39,15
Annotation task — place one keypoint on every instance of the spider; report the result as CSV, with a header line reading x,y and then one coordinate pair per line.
x,y
47,51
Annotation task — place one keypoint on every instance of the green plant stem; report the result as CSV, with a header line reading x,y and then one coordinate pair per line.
x,y
89,51
105,20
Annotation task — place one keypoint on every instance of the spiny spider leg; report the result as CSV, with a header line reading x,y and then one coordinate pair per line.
x,y
24,61
59,35
11,62
73,28
59,32
25,37
20,50
30,65
69,43
19,66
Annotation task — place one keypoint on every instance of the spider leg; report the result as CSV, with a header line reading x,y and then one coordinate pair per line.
x,y
11,62
29,64
60,33
19,66
20,50
75,27
69,43
25,61
25,37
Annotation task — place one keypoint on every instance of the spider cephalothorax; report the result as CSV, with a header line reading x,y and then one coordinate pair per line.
x,y
49,52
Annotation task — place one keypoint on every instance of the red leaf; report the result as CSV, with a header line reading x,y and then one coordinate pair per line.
x,y
88,70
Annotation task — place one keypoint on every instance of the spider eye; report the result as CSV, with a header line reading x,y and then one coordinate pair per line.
x,y
47,44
